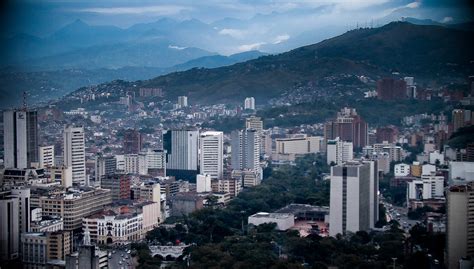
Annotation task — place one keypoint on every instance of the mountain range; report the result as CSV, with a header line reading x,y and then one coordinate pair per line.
x,y
432,54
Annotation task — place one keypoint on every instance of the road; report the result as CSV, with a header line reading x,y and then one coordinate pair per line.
x,y
119,259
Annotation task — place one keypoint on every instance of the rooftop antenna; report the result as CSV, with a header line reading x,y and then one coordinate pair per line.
x,y
25,95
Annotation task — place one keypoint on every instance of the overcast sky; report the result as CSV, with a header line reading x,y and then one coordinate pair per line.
x,y
42,17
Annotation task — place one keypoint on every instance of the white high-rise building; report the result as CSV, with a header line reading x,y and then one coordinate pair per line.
x,y
245,150
46,156
74,153
211,154
353,197
24,210
249,103
132,163
402,170
182,101
428,187
203,183
339,151
20,138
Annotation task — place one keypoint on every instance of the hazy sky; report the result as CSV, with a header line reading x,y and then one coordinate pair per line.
x,y
42,17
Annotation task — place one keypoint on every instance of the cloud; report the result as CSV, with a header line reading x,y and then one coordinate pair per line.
x,y
253,46
447,19
281,38
157,10
413,5
177,47
235,33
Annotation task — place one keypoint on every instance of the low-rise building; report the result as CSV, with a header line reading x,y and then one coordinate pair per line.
x,y
283,221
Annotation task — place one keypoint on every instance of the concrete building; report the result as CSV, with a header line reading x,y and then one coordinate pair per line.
x,y
73,205
20,138
402,170
248,177
458,119
132,141
118,184
182,101
211,160
391,89
61,174
351,208
88,257
104,165
249,103
428,187
44,250
283,221
46,156
74,153
186,203
203,183
460,224
339,151
131,163
299,145
461,172
231,186
246,150
156,162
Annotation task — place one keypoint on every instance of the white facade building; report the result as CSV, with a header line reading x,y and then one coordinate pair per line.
x,y
211,154
249,103
74,153
353,197
283,221
132,163
46,156
402,170
203,183
428,187
339,151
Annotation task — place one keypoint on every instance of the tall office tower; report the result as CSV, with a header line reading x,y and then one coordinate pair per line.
x,y
245,150
211,159
182,153
249,103
46,156
352,198
339,151
20,138
9,227
132,142
391,89
24,210
348,126
256,123
458,119
104,165
74,153
182,101
459,225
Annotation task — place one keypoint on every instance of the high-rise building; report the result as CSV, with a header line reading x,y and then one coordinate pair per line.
x,y
104,165
391,89
20,138
211,154
132,142
46,156
24,209
255,123
249,103
459,226
156,162
353,197
348,126
74,153
458,119
339,151
245,150
9,226
182,153
182,101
